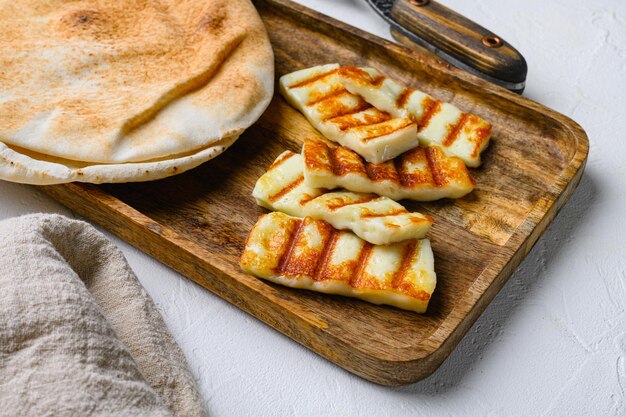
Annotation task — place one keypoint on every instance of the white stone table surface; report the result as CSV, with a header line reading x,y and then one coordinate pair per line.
x,y
552,343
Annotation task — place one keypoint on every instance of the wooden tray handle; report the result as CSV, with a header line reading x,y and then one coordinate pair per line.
x,y
460,38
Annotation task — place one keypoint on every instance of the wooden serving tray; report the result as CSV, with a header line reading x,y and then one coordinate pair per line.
x,y
197,222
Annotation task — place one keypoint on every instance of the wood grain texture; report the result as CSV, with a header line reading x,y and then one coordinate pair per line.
x,y
197,222
461,38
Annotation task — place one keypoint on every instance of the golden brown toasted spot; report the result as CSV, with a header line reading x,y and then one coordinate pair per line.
x,y
286,156
418,220
413,156
280,241
91,22
332,108
344,161
431,107
384,128
277,243
408,289
480,132
403,98
316,155
285,190
213,20
418,177
382,171
447,169
314,79
342,272
371,282
454,132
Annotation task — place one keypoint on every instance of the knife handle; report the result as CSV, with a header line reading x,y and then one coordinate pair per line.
x,y
444,30
403,39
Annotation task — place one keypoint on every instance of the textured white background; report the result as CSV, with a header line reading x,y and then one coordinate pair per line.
x,y
552,343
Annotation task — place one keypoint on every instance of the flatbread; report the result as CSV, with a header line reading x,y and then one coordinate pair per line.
x,y
112,82
18,165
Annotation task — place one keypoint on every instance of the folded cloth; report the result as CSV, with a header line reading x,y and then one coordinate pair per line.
x,y
78,333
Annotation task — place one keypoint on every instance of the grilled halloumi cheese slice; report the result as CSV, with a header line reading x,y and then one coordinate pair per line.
x,y
282,187
311,254
422,174
346,118
377,220
457,133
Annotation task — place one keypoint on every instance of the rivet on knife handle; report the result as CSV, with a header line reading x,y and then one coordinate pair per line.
x,y
461,41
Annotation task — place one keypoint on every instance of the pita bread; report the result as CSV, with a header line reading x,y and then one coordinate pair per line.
x,y
111,82
31,168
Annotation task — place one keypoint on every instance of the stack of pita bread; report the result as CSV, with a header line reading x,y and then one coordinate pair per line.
x,y
117,91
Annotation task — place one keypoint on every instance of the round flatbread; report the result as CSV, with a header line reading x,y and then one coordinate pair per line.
x,y
18,165
112,82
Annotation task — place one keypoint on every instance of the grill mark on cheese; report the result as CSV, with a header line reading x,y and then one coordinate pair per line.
x,y
314,79
409,253
306,198
287,155
355,73
347,121
285,190
365,199
431,107
378,81
332,109
403,98
329,249
382,171
384,214
332,160
456,130
385,128
399,166
360,76
434,168
364,256
334,94
289,247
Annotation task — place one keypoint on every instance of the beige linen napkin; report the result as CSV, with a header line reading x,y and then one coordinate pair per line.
x,y
78,334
